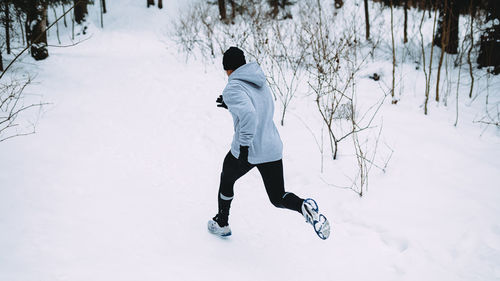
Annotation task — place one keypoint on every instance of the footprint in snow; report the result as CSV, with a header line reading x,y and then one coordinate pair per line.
x,y
400,244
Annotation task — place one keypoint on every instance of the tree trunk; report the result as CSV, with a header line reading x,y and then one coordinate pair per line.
x,y
233,9
423,61
1,61
222,10
472,12
405,28
160,4
444,41
428,83
394,100
72,28
26,31
367,20
21,27
57,25
452,44
36,27
151,3
440,64
438,38
447,31
101,13
7,26
274,8
103,2
80,10
64,12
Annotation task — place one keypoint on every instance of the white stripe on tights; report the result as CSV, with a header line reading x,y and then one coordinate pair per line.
x,y
225,197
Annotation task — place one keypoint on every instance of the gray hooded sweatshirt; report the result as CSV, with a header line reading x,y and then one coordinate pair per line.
x,y
250,102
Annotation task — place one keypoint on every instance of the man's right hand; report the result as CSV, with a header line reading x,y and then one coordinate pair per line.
x,y
243,158
220,102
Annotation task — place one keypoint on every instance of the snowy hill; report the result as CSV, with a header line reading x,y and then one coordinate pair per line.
x,y
122,176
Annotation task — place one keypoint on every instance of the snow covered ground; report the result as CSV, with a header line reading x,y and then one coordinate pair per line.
x,y
122,175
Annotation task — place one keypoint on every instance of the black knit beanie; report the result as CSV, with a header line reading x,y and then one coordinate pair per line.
x,y
233,58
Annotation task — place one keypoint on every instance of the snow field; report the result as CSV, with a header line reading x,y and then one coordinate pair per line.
x,y
122,175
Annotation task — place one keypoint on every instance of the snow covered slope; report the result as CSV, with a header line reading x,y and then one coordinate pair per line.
x,y
122,175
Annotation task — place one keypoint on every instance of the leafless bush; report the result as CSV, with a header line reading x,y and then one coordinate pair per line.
x,y
285,64
334,59
267,41
366,154
13,109
196,28
491,116
307,54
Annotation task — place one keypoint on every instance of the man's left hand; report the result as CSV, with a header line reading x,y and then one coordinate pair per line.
x,y
220,102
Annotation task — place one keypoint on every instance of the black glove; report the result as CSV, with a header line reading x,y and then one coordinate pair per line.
x,y
243,158
220,102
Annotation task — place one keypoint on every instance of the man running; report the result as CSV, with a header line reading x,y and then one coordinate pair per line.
x,y
256,143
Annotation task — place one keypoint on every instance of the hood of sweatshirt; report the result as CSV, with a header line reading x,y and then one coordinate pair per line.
x,y
250,73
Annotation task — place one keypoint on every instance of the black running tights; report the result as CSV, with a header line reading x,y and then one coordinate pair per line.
x,y
272,175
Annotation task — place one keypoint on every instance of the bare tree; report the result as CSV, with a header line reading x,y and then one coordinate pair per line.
x,y
101,9
222,10
394,100
472,11
12,109
365,159
446,36
405,25
57,25
443,38
274,8
428,82
333,66
367,20
458,62
286,65
492,108
196,28
424,68
233,9
64,12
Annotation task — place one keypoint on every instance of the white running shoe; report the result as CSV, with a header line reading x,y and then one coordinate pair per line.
x,y
215,228
310,211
